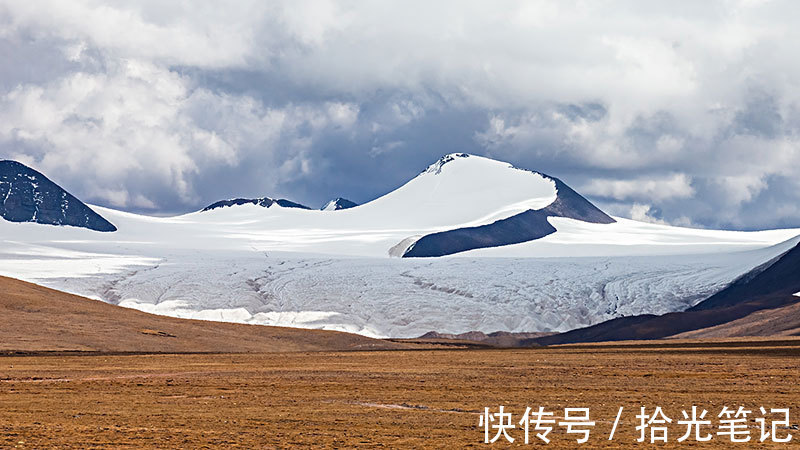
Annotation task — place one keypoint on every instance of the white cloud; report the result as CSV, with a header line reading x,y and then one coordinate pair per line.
x,y
643,102
343,114
200,33
111,125
313,21
742,188
139,124
652,188
643,213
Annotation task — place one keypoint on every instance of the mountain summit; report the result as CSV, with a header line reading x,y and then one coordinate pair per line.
x,y
338,203
265,202
525,226
459,203
29,196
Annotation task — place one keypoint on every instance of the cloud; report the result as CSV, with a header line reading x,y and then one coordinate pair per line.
x,y
644,213
682,106
378,150
175,34
742,188
137,125
644,188
111,125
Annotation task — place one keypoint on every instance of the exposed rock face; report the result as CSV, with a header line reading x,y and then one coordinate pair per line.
x,y
265,202
524,227
437,166
28,196
338,203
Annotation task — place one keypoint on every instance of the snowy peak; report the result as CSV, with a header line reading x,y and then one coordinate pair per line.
x,y
289,266
528,224
468,188
264,202
29,196
436,168
338,203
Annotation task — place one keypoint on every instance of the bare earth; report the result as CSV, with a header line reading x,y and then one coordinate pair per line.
x,y
406,399
784,321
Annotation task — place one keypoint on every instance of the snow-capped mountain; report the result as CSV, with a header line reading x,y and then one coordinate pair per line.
x,y
29,196
264,202
523,227
571,265
338,203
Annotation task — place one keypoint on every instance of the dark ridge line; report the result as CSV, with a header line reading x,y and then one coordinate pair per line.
x,y
264,202
524,227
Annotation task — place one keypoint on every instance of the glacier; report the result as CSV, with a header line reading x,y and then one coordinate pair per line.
x,y
333,269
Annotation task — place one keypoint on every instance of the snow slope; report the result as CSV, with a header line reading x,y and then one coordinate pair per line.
x,y
310,268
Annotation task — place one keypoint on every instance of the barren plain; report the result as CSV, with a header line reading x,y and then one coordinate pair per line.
x,y
398,399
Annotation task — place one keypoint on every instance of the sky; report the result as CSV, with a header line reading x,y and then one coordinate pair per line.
x,y
680,112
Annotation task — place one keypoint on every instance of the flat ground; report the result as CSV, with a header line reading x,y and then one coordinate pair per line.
x,y
422,398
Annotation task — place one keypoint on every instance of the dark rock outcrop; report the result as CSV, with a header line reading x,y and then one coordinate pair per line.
x,y
436,168
265,202
28,196
338,203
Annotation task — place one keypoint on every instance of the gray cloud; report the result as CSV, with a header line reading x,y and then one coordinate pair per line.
x,y
683,112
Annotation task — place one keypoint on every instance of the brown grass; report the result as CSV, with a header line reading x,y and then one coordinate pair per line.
x,y
66,384
395,399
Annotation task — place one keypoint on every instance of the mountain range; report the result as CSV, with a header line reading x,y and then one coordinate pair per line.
x,y
470,244
264,202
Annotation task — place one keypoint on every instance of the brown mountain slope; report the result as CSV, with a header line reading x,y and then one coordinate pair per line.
x,y
783,321
35,318
769,287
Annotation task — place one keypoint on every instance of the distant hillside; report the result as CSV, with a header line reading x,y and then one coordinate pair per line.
x,y
35,318
783,321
